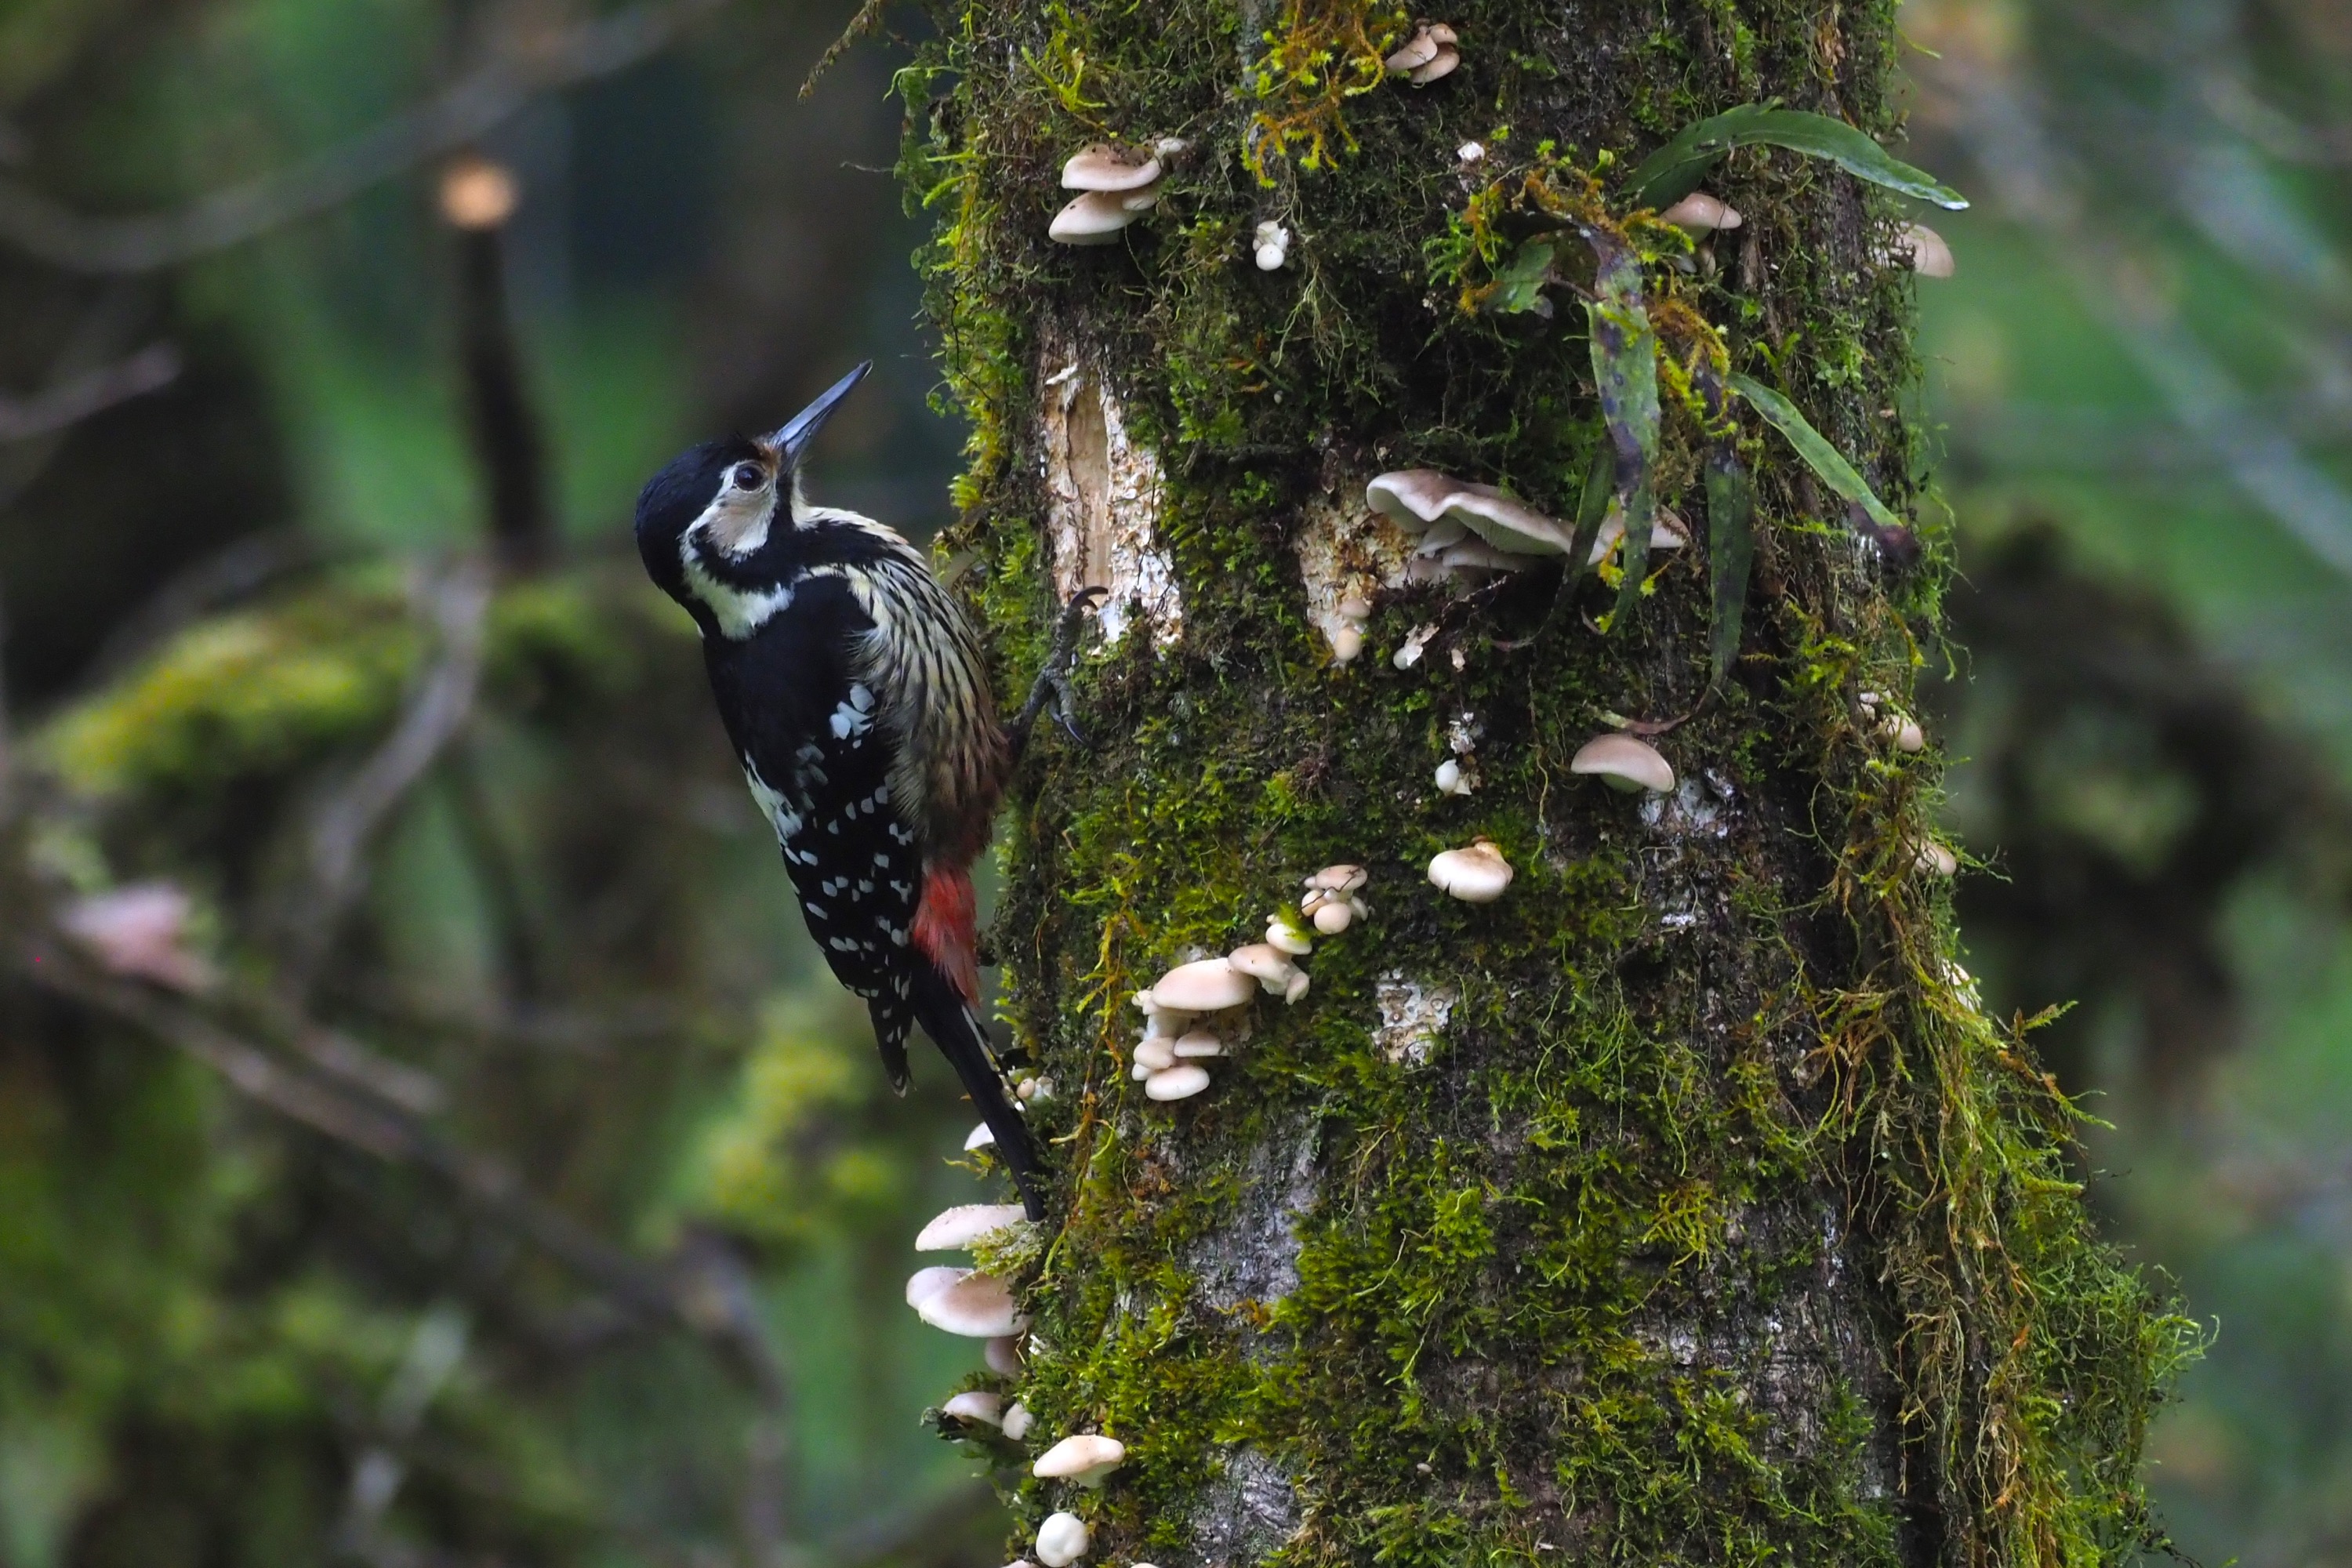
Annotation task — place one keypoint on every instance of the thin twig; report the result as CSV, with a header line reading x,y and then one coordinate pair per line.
x,y
75,399
78,242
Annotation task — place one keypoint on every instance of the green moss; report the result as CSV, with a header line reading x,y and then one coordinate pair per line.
x,y
1527,1311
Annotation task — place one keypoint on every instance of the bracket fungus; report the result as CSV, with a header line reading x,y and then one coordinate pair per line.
x,y
1476,874
1114,184
953,1229
1623,763
1263,962
1698,214
1061,1540
1085,1458
1105,167
976,1306
977,1405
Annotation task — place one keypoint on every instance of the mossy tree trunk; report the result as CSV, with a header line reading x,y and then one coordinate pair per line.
x,y
1680,1207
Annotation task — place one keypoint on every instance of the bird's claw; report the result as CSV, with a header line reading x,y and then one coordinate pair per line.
x,y
1053,681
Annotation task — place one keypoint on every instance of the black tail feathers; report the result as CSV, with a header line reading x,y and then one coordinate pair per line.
x,y
949,1020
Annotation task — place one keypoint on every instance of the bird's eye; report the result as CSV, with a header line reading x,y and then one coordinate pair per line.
x,y
749,476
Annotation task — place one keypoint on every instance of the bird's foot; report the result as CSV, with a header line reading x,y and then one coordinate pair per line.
x,y
1053,683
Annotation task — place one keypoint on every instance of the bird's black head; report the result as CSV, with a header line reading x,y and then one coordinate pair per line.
x,y
718,508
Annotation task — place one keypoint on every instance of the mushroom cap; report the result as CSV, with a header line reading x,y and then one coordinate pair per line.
x,y
1102,167
979,1137
976,1404
1061,1540
1412,54
1442,66
1156,1053
976,1306
1295,988
965,1223
1667,532
1017,1419
1439,33
1281,937
1445,530
1261,961
1179,1082
1625,763
1339,879
1506,523
478,194
1002,1355
1476,874
1085,1458
1909,737
1201,1043
1093,217
1410,498
1477,555
1699,213
1139,201
1333,918
1347,642
1930,256
1206,985
1937,859
925,1283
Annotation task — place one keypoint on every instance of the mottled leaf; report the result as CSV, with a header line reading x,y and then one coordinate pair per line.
x,y
1625,368
1730,547
1600,484
1675,170
1819,455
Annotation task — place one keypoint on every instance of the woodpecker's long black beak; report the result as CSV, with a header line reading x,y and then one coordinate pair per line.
x,y
794,439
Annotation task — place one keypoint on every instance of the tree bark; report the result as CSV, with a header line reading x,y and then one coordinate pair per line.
x,y
1682,1205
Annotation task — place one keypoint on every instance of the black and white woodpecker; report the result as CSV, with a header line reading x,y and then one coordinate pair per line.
x,y
852,688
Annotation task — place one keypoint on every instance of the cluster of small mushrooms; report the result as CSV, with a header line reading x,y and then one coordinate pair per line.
x,y
1464,527
1432,52
1116,185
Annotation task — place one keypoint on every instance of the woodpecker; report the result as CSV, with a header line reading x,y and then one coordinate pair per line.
x,y
851,687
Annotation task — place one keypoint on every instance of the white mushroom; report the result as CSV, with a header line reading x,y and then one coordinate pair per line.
x,y
1084,1458
1297,988
976,1306
1667,532
1272,242
1093,217
1017,1419
966,1223
1416,643
979,1137
1345,644
1061,1540
1476,874
1263,962
1179,1082
925,1283
1470,151
978,1404
1505,522
1334,916
1623,763
1412,54
1925,251
1156,1053
1450,780
1700,214
1447,58
140,931
1339,879
1410,498
1002,1355
1937,859
1200,1043
477,194
1908,736
1102,167
1354,607
1206,986
1282,938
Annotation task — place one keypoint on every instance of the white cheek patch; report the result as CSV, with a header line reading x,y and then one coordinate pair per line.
x,y
736,524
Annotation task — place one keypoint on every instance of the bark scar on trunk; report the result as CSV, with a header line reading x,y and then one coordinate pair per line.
x,y
1103,500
